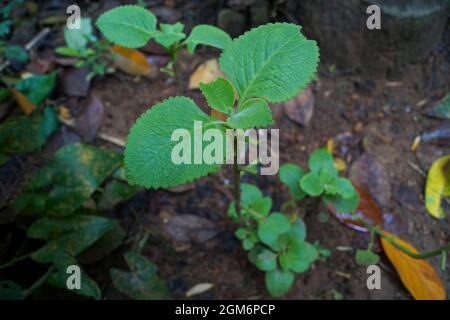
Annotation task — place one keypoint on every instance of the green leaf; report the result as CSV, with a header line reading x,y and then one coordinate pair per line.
x,y
66,51
170,34
115,192
149,147
366,257
262,206
254,113
77,39
311,184
342,187
142,282
67,236
219,94
278,282
241,233
248,244
207,35
343,205
16,53
265,259
298,230
271,228
322,161
250,194
10,290
299,256
23,134
88,287
67,180
442,109
129,26
273,61
232,213
290,175
37,88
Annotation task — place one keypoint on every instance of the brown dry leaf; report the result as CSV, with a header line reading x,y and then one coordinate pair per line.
x,y
89,121
418,275
205,73
218,115
131,61
301,108
25,104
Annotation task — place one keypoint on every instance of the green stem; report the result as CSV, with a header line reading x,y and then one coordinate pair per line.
x,y
38,283
255,213
15,260
176,72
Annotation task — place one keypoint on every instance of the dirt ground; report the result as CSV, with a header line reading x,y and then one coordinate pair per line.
x,y
379,119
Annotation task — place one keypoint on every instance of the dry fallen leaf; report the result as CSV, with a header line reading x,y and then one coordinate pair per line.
x,y
438,186
198,289
418,275
24,103
131,61
205,73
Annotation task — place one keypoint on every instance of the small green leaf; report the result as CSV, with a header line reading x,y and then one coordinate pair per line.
x,y
442,109
170,34
266,260
207,35
278,282
290,175
232,213
142,282
343,205
254,113
115,192
37,88
321,160
150,149
299,256
271,228
262,206
366,257
342,187
311,184
16,53
248,244
66,51
250,194
77,39
128,26
298,230
241,233
219,94
273,61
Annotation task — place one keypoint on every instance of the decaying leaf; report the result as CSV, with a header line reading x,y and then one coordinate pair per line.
x,y
301,108
131,61
418,275
205,73
24,103
367,209
437,186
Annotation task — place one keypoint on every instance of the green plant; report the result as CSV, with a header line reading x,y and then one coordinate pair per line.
x,y
89,51
132,26
271,63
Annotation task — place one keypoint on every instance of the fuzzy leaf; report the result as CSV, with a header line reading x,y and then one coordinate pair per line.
x,y
274,61
290,175
148,151
128,26
207,35
254,113
279,282
219,94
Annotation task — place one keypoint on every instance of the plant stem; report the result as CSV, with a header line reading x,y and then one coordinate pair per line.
x,y
176,72
39,282
13,261
426,255
236,179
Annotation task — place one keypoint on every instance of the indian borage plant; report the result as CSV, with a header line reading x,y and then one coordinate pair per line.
x,y
132,26
271,63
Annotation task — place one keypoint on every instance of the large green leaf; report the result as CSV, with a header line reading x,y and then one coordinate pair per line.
x,y
142,282
254,113
219,94
37,88
207,35
78,39
67,180
22,134
149,147
67,236
129,26
274,61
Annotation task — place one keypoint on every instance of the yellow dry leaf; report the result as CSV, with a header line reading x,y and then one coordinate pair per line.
x,y
205,73
330,145
24,103
418,275
64,113
438,186
415,143
340,164
131,61
198,289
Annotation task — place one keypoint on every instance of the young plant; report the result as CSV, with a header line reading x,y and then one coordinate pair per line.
x,y
89,51
132,26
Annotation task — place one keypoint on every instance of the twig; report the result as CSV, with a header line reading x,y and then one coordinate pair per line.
x,y
29,45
